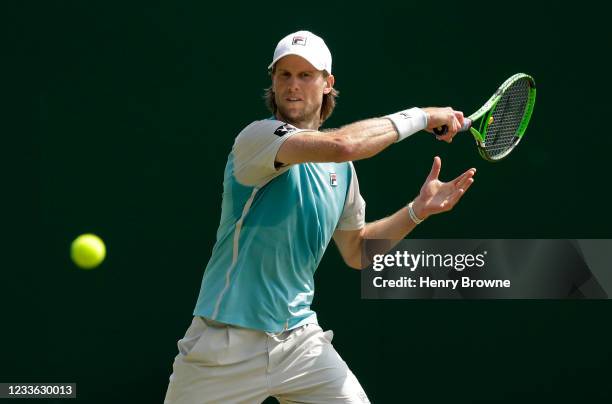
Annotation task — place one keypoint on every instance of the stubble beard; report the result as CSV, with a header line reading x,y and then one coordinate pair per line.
x,y
305,118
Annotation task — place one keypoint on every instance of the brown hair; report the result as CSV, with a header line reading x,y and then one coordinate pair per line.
x,y
327,106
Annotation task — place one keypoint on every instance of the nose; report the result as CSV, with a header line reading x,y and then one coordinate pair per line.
x,y
292,83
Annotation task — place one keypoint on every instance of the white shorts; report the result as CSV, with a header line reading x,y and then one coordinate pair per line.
x,y
219,363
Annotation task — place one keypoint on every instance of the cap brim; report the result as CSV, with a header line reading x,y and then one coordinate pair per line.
x,y
305,57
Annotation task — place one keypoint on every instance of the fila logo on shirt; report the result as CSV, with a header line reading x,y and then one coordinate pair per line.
x,y
333,179
299,40
284,129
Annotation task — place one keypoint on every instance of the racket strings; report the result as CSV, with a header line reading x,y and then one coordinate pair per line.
x,y
507,117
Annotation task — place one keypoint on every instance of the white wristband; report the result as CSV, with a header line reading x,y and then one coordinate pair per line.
x,y
413,215
408,122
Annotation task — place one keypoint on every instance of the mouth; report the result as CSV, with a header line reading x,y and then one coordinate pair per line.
x,y
293,99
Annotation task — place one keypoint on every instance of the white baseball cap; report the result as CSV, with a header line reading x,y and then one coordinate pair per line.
x,y
307,45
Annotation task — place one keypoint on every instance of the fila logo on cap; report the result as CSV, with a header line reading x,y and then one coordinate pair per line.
x,y
299,40
333,179
308,46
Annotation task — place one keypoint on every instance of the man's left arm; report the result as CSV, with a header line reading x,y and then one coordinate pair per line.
x,y
434,197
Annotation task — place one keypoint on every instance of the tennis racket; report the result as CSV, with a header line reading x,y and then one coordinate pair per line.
x,y
505,118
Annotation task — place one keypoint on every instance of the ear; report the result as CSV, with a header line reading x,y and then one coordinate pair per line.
x,y
329,84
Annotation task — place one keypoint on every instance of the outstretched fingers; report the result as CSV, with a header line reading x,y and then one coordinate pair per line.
x,y
460,180
464,179
459,192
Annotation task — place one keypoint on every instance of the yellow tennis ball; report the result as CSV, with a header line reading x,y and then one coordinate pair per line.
x,y
87,251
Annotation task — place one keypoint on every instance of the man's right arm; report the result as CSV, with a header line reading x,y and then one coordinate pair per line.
x,y
359,140
356,141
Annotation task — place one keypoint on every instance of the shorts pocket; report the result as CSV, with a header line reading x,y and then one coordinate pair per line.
x,y
194,333
329,335
211,347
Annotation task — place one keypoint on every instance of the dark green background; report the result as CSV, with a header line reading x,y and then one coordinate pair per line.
x,y
118,121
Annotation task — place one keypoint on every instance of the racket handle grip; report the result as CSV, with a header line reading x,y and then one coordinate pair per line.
x,y
442,130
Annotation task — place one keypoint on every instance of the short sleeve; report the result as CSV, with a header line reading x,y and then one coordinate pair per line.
x,y
353,215
255,150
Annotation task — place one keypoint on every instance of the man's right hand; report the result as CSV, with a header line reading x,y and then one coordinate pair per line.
x,y
437,117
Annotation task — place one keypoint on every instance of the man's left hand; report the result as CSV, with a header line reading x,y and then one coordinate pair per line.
x,y
437,196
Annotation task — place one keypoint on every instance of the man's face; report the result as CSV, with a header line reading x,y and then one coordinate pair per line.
x,y
298,91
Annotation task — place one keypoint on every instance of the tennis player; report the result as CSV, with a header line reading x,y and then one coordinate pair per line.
x,y
288,190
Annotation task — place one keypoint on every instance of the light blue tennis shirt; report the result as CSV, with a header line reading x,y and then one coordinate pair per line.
x,y
275,226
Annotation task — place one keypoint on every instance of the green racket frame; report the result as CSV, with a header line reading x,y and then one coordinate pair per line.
x,y
480,134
